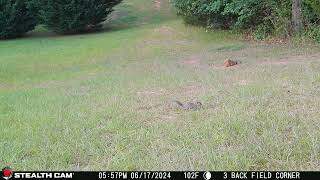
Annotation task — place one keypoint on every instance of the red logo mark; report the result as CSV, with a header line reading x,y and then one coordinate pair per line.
x,y
6,173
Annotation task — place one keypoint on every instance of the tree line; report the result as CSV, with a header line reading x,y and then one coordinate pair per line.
x,y
62,16
263,18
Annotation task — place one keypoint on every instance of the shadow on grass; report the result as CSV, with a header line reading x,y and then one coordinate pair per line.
x,y
43,32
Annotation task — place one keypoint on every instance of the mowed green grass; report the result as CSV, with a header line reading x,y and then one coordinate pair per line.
x,y
101,101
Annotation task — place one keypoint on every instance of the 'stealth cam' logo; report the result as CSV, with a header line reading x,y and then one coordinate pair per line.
x,y
6,173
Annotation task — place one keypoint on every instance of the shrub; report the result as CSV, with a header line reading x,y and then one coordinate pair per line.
x,y
313,32
207,13
16,18
262,32
73,16
240,14
311,12
249,13
262,17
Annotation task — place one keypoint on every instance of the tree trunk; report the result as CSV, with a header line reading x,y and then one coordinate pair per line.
x,y
297,15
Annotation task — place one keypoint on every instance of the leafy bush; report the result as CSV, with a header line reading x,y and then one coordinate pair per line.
x,y
73,16
311,12
262,32
241,14
207,13
262,17
313,32
16,18
248,12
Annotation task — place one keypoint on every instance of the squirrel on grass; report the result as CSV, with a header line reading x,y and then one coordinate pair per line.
x,y
187,106
229,63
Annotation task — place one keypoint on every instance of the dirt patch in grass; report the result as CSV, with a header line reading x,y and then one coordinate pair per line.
x,y
193,60
294,59
283,62
165,42
229,48
197,60
165,30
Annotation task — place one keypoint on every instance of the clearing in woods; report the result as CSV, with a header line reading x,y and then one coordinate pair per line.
x,y
102,100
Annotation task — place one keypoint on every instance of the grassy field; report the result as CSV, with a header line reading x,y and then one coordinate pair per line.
x,y
101,101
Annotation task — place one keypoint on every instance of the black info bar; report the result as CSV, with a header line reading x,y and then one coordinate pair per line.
x,y
164,175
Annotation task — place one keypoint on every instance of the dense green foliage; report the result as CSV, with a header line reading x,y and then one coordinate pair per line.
x,y
16,18
72,16
201,12
263,17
